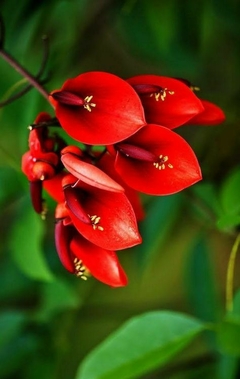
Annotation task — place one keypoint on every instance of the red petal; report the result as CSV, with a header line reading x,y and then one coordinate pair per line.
x,y
27,165
43,170
36,195
116,112
212,115
179,105
106,163
63,235
89,173
54,187
180,170
75,205
103,264
35,141
116,226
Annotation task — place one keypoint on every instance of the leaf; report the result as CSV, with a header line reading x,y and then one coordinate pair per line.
x,y
25,239
228,221
163,212
11,324
230,202
57,296
236,304
17,353
201,282
207,193
140,345
229,194
228,336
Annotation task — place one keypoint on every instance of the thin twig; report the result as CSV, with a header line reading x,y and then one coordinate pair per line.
x,y
52,122
38,76
2,32
230,275
25,73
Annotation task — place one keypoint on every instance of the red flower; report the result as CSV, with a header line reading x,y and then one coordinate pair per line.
x,y
81,257
156,161
98,108
104,218
166,101
212,115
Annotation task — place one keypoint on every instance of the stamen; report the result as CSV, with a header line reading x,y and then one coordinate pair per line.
x,y
160,165
161,94
95,221
152,90
44,210
194,88
87,103
189,84
80,270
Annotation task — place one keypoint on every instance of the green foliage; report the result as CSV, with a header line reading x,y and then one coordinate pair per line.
x,y
230,201
25,240
11,323
57,297
228,334
202,293
143,343
163,213
50,322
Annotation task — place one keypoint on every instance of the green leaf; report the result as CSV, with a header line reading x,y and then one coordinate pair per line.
x,y
228,336
163,212
16,355
140,345
56,297
11,324
207,193
230,202
201,282
229,194
25,240
236,304
228,221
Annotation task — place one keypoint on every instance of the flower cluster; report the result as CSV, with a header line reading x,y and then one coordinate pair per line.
x,y
126,146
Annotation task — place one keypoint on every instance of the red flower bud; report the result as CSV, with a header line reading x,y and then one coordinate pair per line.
x,y
89,173
63,236
36,196
43,170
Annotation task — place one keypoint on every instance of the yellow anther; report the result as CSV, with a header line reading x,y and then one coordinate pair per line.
x,y
160,165
80,270
195,88
162,94
87,105
95,221
44,211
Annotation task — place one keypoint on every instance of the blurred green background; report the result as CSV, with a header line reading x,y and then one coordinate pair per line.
x,y
50,320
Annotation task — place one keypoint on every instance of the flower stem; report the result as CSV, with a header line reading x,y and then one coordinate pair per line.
x,y
26,74
230,275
